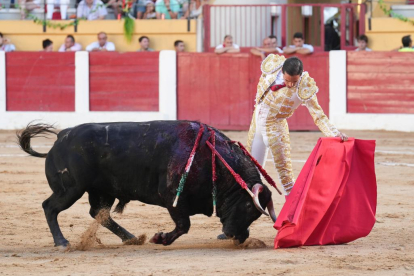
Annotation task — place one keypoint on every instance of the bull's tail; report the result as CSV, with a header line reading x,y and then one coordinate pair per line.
x,y
33,130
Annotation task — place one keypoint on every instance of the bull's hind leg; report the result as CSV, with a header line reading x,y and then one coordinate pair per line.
x,y
182,225
55,204
104,202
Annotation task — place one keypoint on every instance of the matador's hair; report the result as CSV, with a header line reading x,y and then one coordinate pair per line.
x,y
293,66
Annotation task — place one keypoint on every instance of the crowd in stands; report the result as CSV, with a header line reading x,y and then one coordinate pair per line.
x,y
98,10
228,46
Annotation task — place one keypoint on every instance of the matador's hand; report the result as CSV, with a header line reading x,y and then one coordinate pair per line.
x,y
343,136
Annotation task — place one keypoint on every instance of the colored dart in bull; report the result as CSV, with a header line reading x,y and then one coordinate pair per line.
x,y
188,166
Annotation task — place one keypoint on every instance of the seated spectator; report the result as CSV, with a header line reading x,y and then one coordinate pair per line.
x,y
150,11
5,44
139,8
298,46
228,46
70,45
362,44
179,46
27,6
101,45
167,9
116,6
63,4
144,43
407,44
265,49
91,10
269,46
196,8
47,45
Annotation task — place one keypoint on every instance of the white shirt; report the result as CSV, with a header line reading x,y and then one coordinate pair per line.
x,y
74,48
109,46
306,46
366,49
7,48
235,46
280,51
98,9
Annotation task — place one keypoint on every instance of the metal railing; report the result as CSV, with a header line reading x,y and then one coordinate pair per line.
x,y
250,24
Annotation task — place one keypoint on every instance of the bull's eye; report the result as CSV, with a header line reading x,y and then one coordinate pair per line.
x,y
248,205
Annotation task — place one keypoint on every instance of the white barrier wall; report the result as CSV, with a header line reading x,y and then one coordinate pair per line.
x,y
360,121
82,114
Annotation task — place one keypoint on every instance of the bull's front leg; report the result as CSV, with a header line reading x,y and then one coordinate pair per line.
x,y
182,225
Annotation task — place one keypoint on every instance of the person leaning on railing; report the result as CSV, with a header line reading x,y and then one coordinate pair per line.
x,y
299,46
91,10
70,45
362,44
269,46
407,44
102,45
47,45
264,50
228,46
5,44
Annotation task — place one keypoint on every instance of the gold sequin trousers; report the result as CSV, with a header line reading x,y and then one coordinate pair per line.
x,y
267,132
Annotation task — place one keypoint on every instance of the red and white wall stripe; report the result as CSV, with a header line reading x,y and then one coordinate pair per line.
x,y
20,104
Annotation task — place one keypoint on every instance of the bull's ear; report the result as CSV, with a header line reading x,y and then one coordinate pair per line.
x,y
257,188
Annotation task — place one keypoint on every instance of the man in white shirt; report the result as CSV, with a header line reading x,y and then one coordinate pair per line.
x,y
91,10
70,45
101,45
269,46
298,46
228,46
362,44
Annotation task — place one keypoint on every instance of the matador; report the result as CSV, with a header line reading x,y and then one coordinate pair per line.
x,y
283,86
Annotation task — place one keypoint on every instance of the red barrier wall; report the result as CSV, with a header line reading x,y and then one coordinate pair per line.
x,y
38,81
123,81
380,82
220,89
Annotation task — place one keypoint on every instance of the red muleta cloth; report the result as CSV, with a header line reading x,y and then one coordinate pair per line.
x,y
334,199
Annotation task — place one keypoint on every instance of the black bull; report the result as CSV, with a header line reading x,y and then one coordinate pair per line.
x,y
144,161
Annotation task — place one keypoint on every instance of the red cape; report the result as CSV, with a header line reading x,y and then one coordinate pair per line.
x,y
334,199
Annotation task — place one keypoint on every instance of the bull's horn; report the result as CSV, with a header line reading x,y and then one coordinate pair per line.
x,y
257,188
271,210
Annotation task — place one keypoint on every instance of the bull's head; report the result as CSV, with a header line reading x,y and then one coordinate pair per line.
x,y
243,208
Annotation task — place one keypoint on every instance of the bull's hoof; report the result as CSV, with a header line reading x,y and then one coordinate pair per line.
x,y
222,237
136,241
63,247
157,238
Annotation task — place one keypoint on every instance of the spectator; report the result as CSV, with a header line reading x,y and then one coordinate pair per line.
x,y
140,7
116,6
265,49
228,46
144,43
63,8
101,45
179,46
27,6
362,44
407,44
70,45
150,11
47,45
91,10
332,39
167,9
196,7
298,46
5,45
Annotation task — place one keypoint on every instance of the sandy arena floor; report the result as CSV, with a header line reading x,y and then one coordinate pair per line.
x,y
26,245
